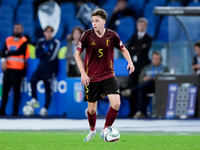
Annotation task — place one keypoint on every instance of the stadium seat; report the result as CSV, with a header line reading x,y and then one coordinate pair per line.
x,y
158,2
6,28
163,30
72,24
6,12
12,3
109,9
29,27
92,5
101,2
111,2
27,1
152,26
134,3
126,28
137,7
148,12
194,4
174,4
25,12
68,12
59,34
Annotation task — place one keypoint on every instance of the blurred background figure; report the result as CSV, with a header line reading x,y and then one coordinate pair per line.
x,y
13,64
196,59
72,40
147,84
139,46
47,51
30,47
120,10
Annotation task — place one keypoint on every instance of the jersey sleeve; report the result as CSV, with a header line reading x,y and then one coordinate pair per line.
x,y
81,43
118,43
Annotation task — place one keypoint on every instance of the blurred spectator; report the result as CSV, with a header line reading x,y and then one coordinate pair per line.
x,y
47,51
139,46
147,83
13,63
30,47
196,59
120,10
82,2
72,40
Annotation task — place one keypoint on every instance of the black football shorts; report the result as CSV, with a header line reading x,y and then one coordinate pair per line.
x,y
97,90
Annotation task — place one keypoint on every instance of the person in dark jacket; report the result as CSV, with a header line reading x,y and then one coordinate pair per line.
x,y
196,59
120,10
139,46
47,51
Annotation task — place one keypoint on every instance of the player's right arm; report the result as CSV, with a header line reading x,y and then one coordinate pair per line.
x,y
84,77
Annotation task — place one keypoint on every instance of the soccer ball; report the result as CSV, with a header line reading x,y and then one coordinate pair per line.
x,y
111,134
28,110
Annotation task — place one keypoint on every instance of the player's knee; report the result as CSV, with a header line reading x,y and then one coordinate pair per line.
x,y
92,110
116,105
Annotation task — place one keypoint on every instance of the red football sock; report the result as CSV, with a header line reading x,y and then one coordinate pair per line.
x,y
110,117
92,120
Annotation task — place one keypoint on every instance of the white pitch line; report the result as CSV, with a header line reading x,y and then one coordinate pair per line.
x,y
121,124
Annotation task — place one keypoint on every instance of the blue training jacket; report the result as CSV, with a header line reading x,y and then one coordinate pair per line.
x,y
48,63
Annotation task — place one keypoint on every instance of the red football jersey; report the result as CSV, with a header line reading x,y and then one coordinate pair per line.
x,y
98,62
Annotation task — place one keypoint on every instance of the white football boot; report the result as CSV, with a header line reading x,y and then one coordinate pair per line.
x,y
90,136
33,102
43,112
101,134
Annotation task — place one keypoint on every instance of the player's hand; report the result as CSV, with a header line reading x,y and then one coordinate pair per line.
x,y
85,79
3,66
130,67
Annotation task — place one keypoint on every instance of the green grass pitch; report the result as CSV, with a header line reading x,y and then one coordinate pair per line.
x,y
73,140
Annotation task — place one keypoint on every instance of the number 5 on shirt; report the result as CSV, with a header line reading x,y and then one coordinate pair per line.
x,y
101,52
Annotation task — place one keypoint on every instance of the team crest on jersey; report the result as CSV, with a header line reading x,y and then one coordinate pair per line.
x,y
108,42
79,44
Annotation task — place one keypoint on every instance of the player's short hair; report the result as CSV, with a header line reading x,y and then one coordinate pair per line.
x,y
197,44
142,19
49,27
100,12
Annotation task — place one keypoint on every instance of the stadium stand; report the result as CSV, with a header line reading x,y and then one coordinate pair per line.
x,y
6,27
19,10
126,28
6,12
68,12
137,7
10,3
193,4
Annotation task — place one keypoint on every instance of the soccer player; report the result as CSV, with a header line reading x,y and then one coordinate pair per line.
x,y
98,75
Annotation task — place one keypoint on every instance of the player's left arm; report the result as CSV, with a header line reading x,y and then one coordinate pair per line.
x,y
126,55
